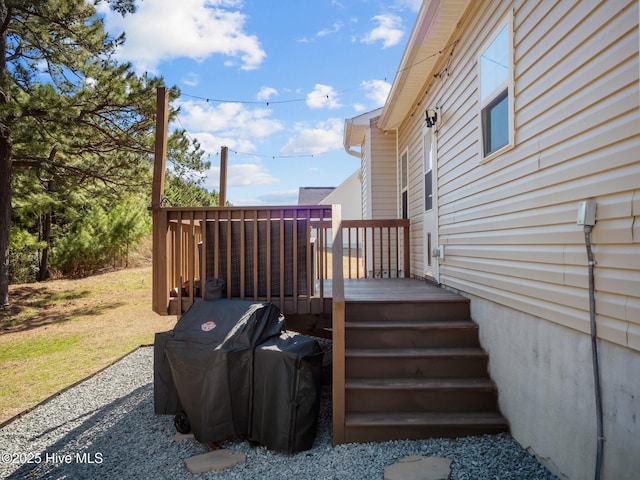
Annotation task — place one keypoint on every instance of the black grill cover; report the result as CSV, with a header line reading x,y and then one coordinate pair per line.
x,y
286,392
228,365
210,355
165,396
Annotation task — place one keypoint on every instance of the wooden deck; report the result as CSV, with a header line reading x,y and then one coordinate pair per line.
x,y
389,289
394,289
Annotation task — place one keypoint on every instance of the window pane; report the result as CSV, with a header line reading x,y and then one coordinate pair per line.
x,y
404,167
499,124
495,120
428,190
494,64
405,205
427,151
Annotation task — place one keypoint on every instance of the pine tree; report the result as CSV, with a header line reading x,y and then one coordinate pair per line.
x,y
69,113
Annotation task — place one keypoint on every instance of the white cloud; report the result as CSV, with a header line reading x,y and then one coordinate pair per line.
x,y
313,140
191,79
323,96
233,121
166,29
285,197
248,174
266,93
240,175
389,30
212,144
410,4
377,90
337,26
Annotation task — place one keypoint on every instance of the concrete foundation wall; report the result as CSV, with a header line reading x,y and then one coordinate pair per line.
x,y
544,374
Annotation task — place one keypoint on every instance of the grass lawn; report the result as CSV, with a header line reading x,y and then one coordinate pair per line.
x,y
58,332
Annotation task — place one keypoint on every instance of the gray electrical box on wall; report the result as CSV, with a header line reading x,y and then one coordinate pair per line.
x,y
587,213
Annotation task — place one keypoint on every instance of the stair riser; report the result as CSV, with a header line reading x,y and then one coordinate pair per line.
x,y
408,311
412,338
393,401
446,367
382,434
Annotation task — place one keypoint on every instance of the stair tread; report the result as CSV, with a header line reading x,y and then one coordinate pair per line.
x,y
416,325
416,352
420,383
403,296
424,419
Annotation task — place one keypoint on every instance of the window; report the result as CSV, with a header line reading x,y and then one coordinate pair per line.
x,y
496,91
404,183
427,153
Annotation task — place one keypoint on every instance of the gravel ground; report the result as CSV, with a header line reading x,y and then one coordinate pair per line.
x,y
105,428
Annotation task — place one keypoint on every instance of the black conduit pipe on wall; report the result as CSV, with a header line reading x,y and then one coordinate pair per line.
x,y
594,352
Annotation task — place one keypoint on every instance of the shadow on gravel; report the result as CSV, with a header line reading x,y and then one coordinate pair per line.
x,y
106,444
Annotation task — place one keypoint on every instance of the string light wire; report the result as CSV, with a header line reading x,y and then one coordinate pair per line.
x,y
451,46
328,97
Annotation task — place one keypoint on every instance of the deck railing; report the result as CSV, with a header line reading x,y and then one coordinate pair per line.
x,y
262,253
278,254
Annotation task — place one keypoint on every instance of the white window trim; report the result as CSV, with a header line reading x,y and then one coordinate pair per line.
x,y
507,20
402,188
425,156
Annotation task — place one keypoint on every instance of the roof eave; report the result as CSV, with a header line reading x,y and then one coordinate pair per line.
x,y
432,32
355,128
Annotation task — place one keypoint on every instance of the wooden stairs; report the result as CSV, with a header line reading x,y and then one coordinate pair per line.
x,y
415,369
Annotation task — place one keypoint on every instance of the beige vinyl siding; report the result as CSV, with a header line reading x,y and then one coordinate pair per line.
x,y
412,138
509,224
383,178
365,163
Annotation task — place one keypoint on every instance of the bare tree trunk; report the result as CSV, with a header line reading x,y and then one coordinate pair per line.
x,y
5,213
6,160
43,272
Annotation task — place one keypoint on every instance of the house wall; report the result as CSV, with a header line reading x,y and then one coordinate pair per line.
x,y
347,194
365,174
545,385
509,224
410,139
381,153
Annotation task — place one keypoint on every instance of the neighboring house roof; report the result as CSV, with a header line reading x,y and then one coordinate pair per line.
x,y
355,129
313,195
430,37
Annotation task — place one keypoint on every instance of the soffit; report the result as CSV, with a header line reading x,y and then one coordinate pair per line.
x,y
432,32
356,128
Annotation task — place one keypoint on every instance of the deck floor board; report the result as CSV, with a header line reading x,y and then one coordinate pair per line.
x,y
392,289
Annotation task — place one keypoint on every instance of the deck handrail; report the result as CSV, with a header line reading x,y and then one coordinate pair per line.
x,y
251,258
263,253
372,248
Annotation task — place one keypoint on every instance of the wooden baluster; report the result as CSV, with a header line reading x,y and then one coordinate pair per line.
x,y
269,259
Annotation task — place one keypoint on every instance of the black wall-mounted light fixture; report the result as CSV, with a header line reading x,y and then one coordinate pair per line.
x,y
431,117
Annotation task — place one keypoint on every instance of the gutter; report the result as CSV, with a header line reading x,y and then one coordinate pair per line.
x,y
348,130
354,153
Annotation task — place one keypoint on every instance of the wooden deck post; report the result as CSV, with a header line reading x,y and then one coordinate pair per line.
x,y
160,289
338,319
162,122
222,196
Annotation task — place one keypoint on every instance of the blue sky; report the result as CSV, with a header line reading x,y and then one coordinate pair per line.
x,y
271,80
